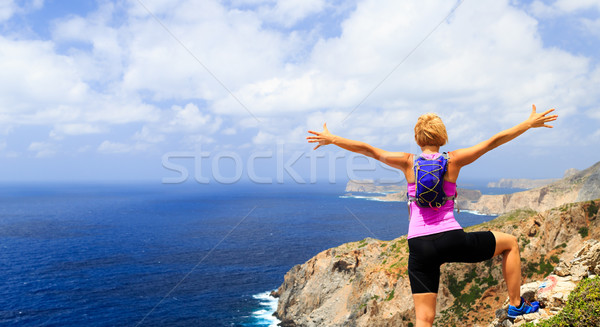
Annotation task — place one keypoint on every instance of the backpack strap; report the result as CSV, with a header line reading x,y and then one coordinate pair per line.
x,y
409,197
453,198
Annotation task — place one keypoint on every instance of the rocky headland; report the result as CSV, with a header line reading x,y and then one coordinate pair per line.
x,y
365,283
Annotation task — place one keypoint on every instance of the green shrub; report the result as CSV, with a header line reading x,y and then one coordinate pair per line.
x,y
592,209
541,267
583,231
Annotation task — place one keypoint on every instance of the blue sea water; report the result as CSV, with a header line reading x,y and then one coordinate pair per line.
x,y
170,255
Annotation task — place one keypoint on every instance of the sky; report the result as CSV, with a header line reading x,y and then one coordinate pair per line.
x,y
220,92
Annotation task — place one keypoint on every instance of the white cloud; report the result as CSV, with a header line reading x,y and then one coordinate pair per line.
x,y
481,70
148,136
290,12
191,119
114,147
487,61
7,9
574,5
264,138
229,131
231,45
43,149
562,7
34,77
76,129
108,147
592,25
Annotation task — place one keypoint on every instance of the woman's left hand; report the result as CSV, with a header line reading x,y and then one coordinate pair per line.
x,y
323,138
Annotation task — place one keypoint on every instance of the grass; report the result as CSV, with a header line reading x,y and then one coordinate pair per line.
x,y
390,296
465,298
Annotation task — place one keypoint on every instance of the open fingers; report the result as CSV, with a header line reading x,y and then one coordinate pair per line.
x,y
313,132
547,112
533,108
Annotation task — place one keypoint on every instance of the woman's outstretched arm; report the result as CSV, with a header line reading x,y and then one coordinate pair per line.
x,y
463,157
395,159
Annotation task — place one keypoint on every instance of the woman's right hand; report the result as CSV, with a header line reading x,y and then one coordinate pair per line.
x,y
323,138
539,120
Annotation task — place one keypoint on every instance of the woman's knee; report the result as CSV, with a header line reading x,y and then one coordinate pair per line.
x,y
426,317
505,242
425,307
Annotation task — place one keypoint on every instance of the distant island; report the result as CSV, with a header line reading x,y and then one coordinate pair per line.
x,y
521,183
527,184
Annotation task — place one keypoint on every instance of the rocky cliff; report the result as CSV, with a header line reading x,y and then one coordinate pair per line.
x,y
365,283
577,186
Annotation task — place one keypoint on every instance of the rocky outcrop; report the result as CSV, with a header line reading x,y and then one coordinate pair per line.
x,y
576,187
365,283
553,291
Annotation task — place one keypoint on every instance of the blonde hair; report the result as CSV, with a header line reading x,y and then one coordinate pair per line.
x,y
430,130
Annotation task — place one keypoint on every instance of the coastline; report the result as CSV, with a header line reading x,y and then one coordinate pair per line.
x,y
385,198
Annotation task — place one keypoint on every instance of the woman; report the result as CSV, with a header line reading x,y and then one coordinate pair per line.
x,y
434,236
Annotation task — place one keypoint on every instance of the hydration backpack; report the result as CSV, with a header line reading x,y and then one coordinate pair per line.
x,y
429,177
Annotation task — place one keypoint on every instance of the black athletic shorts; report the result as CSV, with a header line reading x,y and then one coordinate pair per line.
x,y
428,253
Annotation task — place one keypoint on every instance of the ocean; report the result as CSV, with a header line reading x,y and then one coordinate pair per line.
x,y
170,255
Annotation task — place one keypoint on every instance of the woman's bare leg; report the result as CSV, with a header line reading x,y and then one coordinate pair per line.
x,y
425,308
508,246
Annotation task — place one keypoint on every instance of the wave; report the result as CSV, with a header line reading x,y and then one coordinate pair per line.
x,y
475,212
370,198
264,315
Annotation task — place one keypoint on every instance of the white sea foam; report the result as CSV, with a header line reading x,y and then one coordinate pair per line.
x,y
264,315
474,212
370,198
